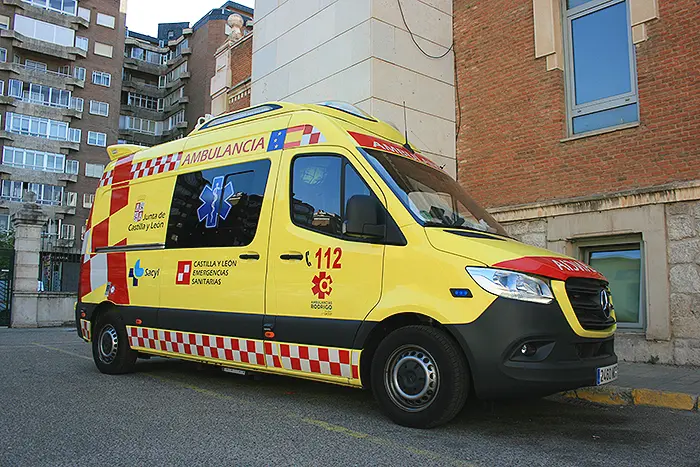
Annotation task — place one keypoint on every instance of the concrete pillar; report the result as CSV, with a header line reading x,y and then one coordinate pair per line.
x,y
28,223
362,52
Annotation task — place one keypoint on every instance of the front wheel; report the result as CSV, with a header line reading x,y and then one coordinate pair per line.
x,y
110,346
419,377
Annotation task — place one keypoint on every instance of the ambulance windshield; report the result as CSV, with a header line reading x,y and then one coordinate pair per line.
x,y
432,196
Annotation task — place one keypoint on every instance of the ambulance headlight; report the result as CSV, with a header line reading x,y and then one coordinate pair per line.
x,y
511,284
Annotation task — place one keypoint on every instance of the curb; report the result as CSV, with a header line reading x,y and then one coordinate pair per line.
x,y
615,395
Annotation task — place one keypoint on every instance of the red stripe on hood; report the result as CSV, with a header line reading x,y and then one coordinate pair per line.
x,y
554,268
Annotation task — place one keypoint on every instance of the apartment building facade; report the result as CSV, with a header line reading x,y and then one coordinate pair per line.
x,y
578,124
166,78
60,82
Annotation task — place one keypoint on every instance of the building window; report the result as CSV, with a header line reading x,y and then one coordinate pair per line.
x,y
622,266
46,32
2,88
600,65
40,127
71,199
64,70
105,20
82,43
99,108
230,216
77,103
145,102
11,190
47,194
176,119
101,78
72,167
4,22
35,160
3,55
68,7
140,125
67,232
5,225
105,50
94,170
34,65
95,138
79,73
84,13
88,200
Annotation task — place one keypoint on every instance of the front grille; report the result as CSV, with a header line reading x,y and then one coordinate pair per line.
x,y
584,295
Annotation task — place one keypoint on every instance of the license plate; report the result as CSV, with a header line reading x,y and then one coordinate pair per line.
x,y
606,374
235,371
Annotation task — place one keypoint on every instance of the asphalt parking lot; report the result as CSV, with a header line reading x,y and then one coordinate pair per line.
x,y
56,409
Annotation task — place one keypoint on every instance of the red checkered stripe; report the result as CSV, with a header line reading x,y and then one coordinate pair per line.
x,y
107,178
85,329
302,358
156,166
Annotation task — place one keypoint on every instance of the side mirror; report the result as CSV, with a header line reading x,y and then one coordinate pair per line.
x,y
364,217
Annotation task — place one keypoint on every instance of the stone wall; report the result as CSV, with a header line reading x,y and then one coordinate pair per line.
x,y
56,309
683,224
680,346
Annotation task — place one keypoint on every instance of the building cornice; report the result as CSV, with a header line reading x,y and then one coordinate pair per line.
x,y
670,193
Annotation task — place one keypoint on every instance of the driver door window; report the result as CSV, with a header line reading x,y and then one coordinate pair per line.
x,y
320,190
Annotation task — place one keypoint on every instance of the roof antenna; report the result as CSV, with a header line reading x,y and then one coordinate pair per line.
x,y
407,145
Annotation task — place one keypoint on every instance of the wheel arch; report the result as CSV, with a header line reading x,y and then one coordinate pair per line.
x,y
368,340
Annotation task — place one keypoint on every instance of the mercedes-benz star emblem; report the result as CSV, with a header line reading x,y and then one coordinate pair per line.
x,y
605,303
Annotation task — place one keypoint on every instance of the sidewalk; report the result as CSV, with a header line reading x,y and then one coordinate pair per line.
x,y
646,384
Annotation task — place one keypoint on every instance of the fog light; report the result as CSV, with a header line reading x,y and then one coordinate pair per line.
x,y
528,350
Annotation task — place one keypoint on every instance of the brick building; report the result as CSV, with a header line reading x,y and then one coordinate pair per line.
x,y
166,78
230,86
578,126
60,77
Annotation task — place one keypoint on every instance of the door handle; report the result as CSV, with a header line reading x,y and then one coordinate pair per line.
x,y
292,257
254,256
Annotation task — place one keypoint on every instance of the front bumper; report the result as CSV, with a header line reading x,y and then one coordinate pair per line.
x,y
562,360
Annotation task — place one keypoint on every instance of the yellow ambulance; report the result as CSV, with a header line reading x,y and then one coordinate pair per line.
x,y
314,241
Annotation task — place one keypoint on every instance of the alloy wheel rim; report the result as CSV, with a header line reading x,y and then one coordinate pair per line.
x,y
411,378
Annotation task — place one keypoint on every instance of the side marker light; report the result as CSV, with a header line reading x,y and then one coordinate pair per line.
x,y
138,321
461,293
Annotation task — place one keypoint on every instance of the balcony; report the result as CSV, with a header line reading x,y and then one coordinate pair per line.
x,y
30,175
38,143
37,109
143,139
136,111
142,87
49,78
143,66
20,41
180,103
49,16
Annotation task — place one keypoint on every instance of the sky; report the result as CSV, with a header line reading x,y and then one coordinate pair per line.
x,y
144,15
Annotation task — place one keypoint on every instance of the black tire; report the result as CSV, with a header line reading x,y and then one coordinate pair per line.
x,y
110,345
419,377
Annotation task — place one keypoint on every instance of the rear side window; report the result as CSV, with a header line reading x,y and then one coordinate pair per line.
x,y
217,207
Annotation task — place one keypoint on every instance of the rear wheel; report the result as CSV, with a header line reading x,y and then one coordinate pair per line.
x,y
419,377
110,346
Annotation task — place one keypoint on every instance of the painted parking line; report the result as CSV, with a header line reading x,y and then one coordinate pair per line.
x,y
339,429
56,349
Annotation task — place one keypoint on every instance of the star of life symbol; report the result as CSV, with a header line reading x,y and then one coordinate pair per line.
x,y
322,285
211,209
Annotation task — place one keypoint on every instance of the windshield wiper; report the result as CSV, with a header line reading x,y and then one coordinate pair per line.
x,y
462,227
